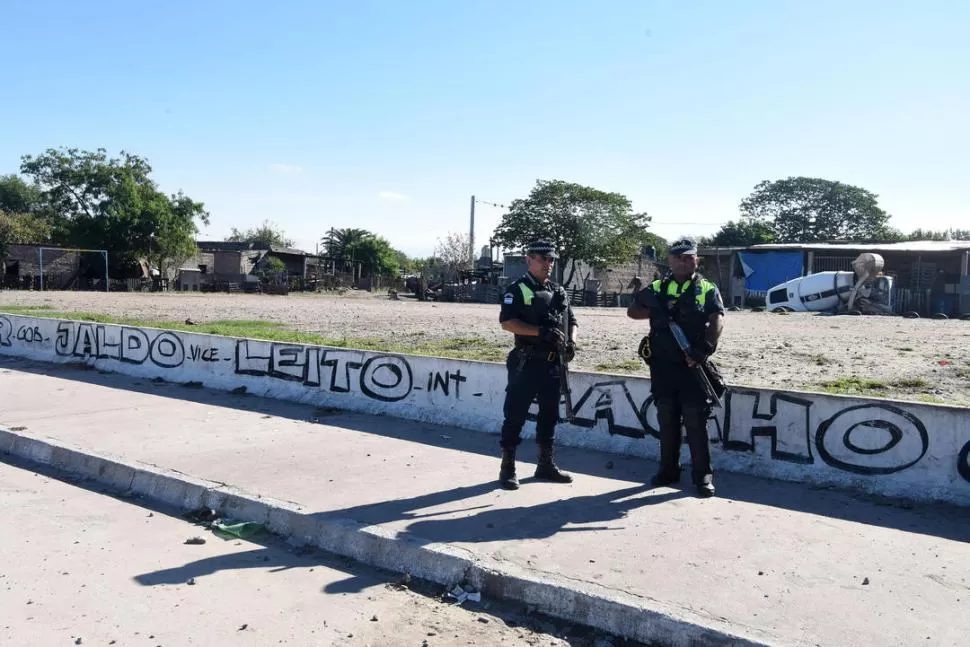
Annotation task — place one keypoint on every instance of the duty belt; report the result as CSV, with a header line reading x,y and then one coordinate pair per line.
x,y
531,351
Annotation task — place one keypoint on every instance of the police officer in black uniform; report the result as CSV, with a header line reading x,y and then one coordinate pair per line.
x,y
537,312
695,303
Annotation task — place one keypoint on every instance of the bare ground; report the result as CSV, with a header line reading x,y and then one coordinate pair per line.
x,y
912,359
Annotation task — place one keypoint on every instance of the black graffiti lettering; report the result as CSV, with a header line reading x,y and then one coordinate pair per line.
x,y
108,348
203,354
86,341
893,432
134,346
65,339
872,439
340,380
786,422
386,378
29,335
649,412
253,357
443,381
6,331
963,463
457,378
129,345
382,377
283,361
611,401
167,351
290,362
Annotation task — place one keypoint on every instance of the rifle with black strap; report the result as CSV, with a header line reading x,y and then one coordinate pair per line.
x,y
559,306
707,375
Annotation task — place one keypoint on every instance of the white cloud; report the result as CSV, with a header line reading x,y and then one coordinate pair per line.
x,y
391,196
286,169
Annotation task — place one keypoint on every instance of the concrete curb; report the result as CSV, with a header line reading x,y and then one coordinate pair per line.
x,y
586,603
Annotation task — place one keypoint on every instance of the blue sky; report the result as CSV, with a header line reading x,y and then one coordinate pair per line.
x,y
390,115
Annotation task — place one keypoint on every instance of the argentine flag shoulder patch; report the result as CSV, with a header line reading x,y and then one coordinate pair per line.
x,y
509,298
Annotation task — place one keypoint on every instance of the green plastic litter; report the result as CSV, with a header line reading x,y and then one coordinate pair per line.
x,y
243,529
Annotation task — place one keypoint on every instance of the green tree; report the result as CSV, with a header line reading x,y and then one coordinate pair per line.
x,y
408,264
805,210
376,256
270,268
584,223
21,229
374,253
946,234
741,233
17,196
340,243
264,236
99,202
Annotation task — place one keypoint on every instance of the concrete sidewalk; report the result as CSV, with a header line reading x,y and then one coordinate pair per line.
x,y
773,562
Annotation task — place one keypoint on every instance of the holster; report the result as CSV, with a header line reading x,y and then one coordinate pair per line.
x,y
643,350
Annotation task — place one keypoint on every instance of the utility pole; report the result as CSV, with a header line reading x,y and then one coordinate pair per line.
x,y
471,234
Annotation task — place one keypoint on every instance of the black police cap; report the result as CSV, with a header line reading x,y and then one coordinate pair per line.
x,y
542,247
683,246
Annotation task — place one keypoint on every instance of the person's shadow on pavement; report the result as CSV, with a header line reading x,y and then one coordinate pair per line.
x,y
540,520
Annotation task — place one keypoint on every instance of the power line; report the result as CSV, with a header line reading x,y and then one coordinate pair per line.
x,y
492,204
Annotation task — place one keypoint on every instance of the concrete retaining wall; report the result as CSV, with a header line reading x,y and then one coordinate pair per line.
x,y
902,449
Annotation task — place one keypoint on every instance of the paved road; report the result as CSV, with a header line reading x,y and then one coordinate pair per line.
x,y
80,567
786,562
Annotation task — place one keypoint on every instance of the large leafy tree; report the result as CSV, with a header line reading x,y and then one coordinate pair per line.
x,y
742,233
21,217
806,209
17,196
584,223
376,256
98,202
374,253
339,244
264,236
21,228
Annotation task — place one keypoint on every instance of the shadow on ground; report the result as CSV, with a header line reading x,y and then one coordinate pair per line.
x,y
271,552
545,519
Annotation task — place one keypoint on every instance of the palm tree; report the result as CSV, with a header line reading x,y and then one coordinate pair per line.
x,y
341,245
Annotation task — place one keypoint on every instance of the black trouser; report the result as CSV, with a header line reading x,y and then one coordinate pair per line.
x,y
531,374
681,400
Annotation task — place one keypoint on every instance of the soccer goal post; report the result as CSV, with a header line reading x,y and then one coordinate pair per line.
x,y
64,269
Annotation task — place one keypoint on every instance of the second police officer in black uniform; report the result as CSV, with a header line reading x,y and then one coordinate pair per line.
x,y
695,303
537,312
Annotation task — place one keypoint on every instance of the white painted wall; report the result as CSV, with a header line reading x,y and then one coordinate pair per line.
x,y
911,450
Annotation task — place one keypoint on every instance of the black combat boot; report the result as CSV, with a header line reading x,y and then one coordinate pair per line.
x,y
547,470
506,475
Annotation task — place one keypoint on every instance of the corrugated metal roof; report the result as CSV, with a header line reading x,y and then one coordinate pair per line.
x,y
926,246
907,246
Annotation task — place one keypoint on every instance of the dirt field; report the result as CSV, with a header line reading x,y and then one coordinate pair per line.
x,y
913,359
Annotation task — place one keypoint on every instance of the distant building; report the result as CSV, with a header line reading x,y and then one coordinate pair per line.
x,y
33,267
930,276
240,263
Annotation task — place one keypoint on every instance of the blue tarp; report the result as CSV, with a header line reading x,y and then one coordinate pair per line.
x,y
765,270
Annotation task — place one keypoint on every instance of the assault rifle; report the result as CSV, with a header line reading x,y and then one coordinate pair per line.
x,y
559,304
704,371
